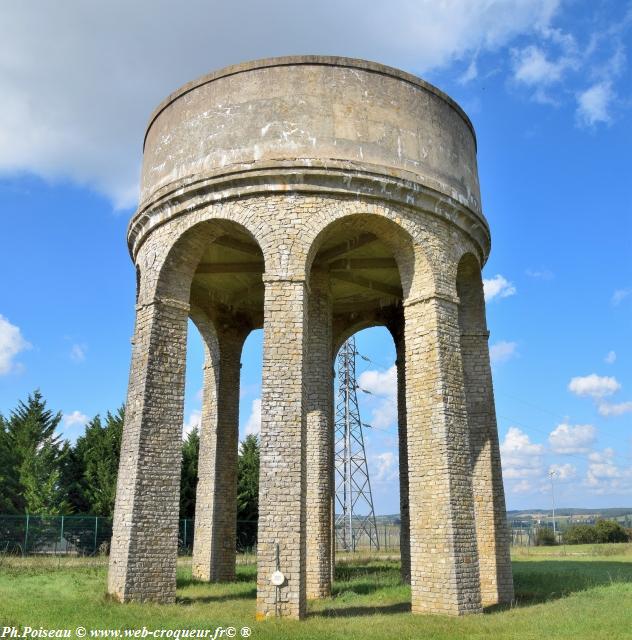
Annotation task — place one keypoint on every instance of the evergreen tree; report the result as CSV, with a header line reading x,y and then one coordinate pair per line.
x,y
8,486
248,492
188,474
93,471
38,457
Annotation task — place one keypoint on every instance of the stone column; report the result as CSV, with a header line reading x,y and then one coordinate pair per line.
x,y
319,443
491,515
282,473
404,535
145,532
214,544
443,555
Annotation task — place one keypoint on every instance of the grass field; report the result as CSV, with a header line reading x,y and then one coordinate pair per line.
x,y
573,592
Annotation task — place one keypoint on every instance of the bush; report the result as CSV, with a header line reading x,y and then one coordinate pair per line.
x,y
602,532
544,537
610,531
580,534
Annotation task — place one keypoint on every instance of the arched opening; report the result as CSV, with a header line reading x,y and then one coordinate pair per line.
x,y
224,266
355,276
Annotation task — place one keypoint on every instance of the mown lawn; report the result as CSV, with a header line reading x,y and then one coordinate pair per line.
x,y
576,592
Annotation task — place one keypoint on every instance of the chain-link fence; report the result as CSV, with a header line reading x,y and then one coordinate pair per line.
x,y
87,535
90,535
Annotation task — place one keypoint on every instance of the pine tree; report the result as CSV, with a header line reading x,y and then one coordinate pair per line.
x,y
8,485
188,474
248,492
94,469
38,457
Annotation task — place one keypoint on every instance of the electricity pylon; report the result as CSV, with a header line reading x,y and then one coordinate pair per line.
x,y
354,503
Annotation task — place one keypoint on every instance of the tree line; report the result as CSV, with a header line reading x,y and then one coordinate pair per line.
x,y
41,473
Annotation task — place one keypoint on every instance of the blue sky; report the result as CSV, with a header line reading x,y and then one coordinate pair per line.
x,y
547,84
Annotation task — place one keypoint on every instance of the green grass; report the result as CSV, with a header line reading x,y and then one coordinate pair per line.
x,y
572,592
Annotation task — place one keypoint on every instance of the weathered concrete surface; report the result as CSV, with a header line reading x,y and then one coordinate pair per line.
x,y
312,197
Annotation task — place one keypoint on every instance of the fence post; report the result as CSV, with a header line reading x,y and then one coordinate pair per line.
x,y
185,535
26,536
61,535
96,531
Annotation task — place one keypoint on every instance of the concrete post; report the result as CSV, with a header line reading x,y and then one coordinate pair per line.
x,y
282,479
145,532
443,552
214,543
319,438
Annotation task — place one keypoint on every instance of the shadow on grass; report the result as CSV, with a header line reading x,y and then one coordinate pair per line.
x,y
249,594
350,612
535,582
546,580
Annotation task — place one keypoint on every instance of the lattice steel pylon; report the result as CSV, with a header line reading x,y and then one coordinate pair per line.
x,y
354,502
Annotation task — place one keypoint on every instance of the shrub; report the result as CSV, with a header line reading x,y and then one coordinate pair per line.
x,y
610,531
580,534
544,537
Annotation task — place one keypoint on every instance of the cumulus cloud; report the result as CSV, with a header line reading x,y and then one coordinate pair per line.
x,y
521,458
497,287
594,386
383,385
75,418
502,351
386,467
192,422
79,80
253,424
610,358
11,343
617,409
605,476
593,104
564,472
569,439
380,383
532,66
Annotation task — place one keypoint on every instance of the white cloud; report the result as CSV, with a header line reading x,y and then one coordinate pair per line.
x,y
79,81
566,438
524,486
380,383
502,351
192,422
497,287
620,295
563,472
253,424
610,358
471,73
532,67
383,385
78,352
540,274
594,386
609,409
386,467
11,343
75,418
521,458
593,104
604,476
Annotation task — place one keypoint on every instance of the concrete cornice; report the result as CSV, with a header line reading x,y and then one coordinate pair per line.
x,y
333,178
